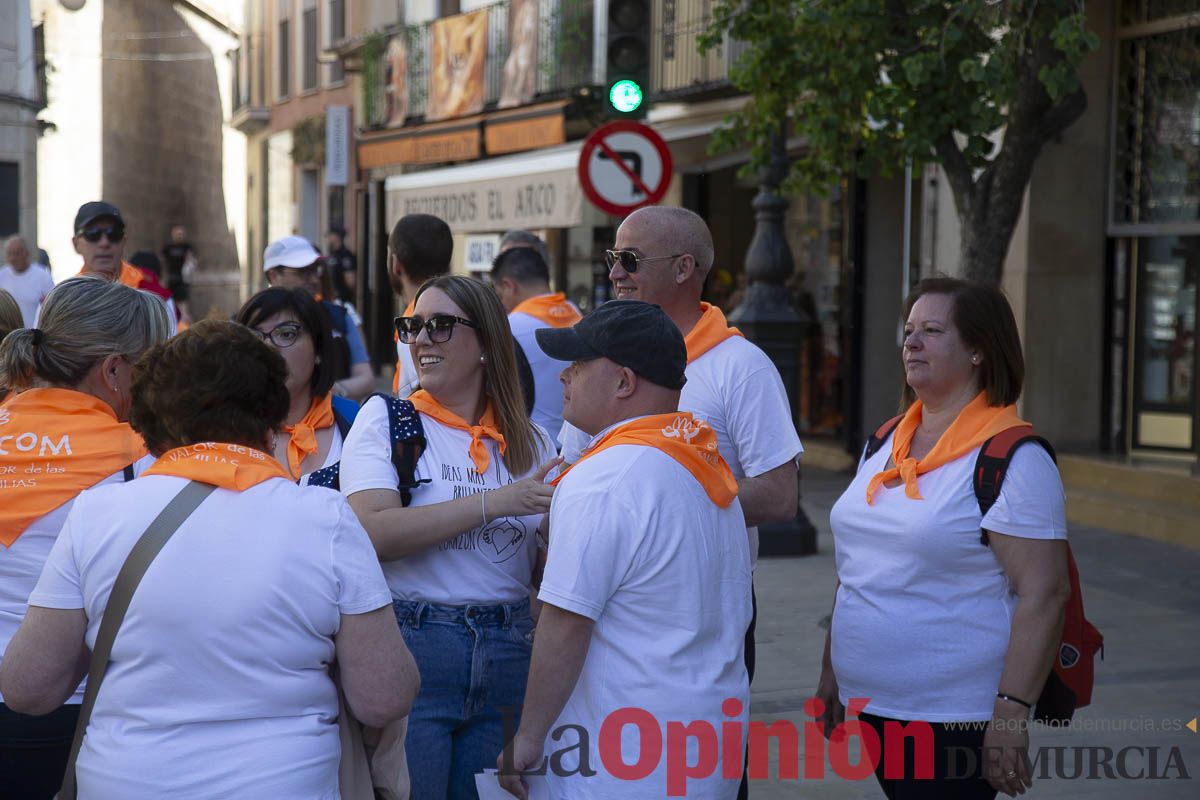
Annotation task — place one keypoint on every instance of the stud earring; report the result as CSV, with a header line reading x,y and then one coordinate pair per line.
x,y
974,359
483,359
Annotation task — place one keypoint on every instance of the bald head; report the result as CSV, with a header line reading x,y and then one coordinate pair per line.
x,y
682,230
16,253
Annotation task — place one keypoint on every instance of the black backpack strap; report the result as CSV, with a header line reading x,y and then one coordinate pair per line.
x,y
994,457
408,443
343,424
876,439
128,473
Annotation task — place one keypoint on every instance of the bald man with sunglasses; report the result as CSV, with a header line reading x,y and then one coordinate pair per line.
x,y
662,255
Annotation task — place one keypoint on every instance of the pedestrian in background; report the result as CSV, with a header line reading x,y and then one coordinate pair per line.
x,y
180,258
310,442
25,281
74,373
293,263
521,278
218,683
929,622
419,248
342,263
460,557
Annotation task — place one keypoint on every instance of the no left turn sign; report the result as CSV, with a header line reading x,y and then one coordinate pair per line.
x,y
623,166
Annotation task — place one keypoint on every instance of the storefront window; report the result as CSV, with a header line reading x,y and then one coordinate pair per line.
x,y
1168,321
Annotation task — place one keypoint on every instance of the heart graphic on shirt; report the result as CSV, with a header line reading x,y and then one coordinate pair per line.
x,y
501,539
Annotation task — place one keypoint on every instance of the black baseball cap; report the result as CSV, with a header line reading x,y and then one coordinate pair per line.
x,y
631,333
89,212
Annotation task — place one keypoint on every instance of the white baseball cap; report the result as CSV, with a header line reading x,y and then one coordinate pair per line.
x,y
290,251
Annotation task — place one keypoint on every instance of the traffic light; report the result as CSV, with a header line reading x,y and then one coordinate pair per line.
x,y
627,80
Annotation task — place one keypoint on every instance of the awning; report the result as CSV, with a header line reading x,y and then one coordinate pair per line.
x,y
535,189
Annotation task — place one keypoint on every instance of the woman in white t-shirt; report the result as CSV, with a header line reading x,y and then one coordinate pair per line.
x,y
310,442
63,432
460,558
931,623
218,682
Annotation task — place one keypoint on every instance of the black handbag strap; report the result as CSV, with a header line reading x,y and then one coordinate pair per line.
x,y
143,553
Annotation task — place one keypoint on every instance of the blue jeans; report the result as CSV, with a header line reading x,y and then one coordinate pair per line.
x,y
474,662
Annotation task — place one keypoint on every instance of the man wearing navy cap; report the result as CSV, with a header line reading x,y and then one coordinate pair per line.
x,y
646,592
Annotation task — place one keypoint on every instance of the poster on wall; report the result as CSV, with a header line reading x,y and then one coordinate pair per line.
x,y
396,81
520,69
459,50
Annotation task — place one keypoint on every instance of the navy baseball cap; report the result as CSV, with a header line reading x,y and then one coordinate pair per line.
x,y
631,333
90,212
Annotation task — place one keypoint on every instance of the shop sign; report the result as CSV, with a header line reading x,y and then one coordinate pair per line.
x,y
541,200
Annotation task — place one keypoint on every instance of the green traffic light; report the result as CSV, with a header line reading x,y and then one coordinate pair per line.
x,y
625,96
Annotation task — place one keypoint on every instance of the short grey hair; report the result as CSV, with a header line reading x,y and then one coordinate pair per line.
x,y
519,238
83,321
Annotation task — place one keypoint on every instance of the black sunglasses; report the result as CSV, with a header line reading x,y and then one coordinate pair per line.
x,y
439,327
115,233
630,260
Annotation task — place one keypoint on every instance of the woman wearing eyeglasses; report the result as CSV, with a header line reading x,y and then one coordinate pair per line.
x,y
310,443
460,557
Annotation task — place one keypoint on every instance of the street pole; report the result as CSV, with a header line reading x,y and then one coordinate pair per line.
x,y
767,318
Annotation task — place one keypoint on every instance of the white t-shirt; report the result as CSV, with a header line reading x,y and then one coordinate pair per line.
x,y
924,610
637,546
548,390
21,564
409,380
489,564
218,684
736,389
28,288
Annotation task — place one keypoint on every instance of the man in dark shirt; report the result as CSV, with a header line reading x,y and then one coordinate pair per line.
x,y
342,262
179,258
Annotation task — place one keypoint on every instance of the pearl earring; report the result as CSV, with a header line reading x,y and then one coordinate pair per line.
x,y
483,359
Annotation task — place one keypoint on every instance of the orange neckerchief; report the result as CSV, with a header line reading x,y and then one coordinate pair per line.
x,y
229,466
488,426
690,441
129,275
710,331
552,309
408,310
304,433
54,443
974,425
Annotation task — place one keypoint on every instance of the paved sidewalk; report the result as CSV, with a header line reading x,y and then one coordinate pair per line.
x,y
1143,595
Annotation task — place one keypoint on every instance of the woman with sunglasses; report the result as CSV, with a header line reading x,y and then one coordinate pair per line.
x,y
73,375
310,443
460,557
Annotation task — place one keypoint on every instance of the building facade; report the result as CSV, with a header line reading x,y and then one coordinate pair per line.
x,y
20,99
137,96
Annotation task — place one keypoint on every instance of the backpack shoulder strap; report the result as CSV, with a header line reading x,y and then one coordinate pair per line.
x,y
408,443
876,439
994,457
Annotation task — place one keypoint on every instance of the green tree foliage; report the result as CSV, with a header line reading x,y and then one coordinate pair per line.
x,y
977,86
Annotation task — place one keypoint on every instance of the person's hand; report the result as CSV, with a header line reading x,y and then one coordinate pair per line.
x,y
521,754
1006,755
524,497
827,693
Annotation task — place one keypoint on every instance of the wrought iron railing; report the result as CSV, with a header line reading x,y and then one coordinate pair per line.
x,y
678,67
564,60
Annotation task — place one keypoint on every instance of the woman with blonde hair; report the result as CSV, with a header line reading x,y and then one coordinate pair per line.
x,y
459,557
69,433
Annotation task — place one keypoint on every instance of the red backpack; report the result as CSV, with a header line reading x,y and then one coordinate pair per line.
x,y
1069,685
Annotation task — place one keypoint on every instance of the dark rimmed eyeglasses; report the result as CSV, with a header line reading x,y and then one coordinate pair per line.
x,y
283,335
115,233
438,328
630,261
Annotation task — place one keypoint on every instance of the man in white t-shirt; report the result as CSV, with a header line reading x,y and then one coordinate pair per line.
x,y
661,255
646,592
522,280
419,248
27,282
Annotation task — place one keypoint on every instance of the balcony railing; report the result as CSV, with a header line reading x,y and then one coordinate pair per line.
x,y
563,60
678,68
